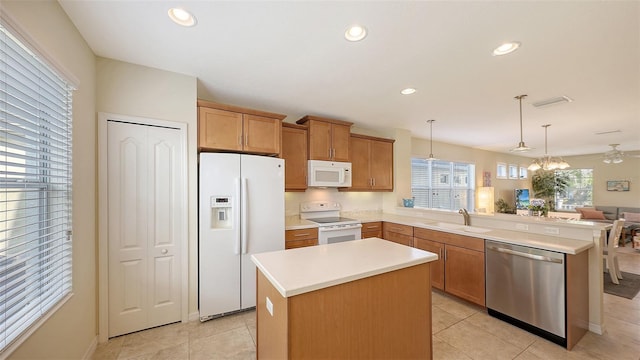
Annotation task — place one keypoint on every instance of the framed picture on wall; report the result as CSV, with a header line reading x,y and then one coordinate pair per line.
x,y
617,185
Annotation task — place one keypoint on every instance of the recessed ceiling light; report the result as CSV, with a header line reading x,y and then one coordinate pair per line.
x,y
355,33
506,48
182,17
407,91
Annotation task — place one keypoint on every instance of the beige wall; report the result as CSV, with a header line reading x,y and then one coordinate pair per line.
x,y
134,90
70,332
629,170
484,161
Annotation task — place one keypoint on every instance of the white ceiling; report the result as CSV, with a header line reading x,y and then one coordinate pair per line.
x,y
291,58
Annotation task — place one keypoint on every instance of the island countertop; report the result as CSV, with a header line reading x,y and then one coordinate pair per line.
x,y
298,271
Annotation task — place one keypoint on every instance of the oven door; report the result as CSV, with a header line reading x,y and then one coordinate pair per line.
x,y
339,233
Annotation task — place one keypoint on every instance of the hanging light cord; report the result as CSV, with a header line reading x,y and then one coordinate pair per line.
x,y
431,138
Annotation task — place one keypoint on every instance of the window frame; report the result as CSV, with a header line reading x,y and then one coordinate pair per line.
x,y
457,186
35,171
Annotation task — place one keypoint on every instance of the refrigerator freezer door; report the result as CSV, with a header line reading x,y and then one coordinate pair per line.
x,y
218,248
264,220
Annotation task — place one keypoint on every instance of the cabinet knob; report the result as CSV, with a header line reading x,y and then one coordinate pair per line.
x,y
164,251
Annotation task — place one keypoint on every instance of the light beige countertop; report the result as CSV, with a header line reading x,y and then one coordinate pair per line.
x,y
540,241
298,271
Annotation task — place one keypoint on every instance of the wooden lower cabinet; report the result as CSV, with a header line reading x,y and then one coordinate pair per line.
x,y
300,238
372,229
398,233
437,267
385,316
464,273
460,268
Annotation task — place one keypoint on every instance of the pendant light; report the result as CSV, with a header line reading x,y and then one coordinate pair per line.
x,y
548,162
521,146
431,157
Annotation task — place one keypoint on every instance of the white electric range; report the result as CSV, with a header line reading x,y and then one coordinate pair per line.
x,y
332,228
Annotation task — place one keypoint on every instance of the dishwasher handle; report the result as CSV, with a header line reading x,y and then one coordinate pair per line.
x,y
525,255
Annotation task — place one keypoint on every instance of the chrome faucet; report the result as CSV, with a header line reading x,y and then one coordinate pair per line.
x,y
465,215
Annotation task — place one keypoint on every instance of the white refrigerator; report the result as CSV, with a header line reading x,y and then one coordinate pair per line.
x,y
241,212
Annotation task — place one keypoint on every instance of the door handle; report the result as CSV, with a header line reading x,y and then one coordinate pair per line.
x,y
164,251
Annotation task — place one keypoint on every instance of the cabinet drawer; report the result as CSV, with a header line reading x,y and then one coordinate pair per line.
x,y
397,228
372,226
467,242
370,234
398,238
301,234
292,244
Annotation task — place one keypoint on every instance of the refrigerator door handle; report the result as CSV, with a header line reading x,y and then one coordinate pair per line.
x,y
236,220
244,220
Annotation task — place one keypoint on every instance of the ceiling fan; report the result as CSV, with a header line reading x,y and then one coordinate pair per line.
x,y
614,156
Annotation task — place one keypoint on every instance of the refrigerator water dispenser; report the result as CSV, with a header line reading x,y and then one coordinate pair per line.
x,y
221,215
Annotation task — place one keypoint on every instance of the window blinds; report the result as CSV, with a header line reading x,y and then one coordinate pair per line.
x,y
442,184
35,188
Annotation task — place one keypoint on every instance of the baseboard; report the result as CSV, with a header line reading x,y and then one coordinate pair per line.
x,y
91,349
596,328
194,316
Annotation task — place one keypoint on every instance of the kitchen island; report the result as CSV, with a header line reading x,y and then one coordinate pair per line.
x,y
366,298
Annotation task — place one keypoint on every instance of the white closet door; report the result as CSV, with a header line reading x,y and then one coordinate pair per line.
x,y
144,191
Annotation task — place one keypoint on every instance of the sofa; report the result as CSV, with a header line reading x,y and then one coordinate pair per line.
x,y
607,214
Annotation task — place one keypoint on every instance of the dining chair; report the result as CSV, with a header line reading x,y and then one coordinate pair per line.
x,y
609,255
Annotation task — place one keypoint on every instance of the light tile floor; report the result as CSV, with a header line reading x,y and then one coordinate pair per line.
x,y
460,331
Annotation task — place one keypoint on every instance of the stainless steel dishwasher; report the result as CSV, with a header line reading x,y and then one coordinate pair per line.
x,y
526,287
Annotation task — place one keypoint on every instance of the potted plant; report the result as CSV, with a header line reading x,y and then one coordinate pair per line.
x,y
546,184
537,207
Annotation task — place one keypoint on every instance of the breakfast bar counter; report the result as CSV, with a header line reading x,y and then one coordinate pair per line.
x,y
367,298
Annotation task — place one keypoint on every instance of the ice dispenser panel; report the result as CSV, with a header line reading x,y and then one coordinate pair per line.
x,y
221,212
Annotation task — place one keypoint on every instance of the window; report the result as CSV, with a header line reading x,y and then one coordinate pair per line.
x,y
501,171
513,171
523,172
35,188
579,192
442,184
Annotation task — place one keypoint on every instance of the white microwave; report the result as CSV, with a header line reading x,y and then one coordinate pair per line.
x,y
329,174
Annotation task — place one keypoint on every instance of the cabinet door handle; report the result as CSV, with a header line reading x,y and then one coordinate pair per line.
x,y
373,182
303,234
445,254
441,254
240,140
246,140
329,153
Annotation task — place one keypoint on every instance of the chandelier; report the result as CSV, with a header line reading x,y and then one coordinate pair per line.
x,y
548,162
614,155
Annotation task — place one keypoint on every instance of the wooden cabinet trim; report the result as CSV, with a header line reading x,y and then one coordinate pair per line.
x,y
306,118
294,126
214,105
360,136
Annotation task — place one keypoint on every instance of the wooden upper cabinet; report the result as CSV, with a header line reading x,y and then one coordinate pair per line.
x,y
231,128
294,153
371,163
219,129
328,138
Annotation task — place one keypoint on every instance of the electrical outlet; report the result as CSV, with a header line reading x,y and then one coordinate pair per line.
x,y
552,230
269,306
522,226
